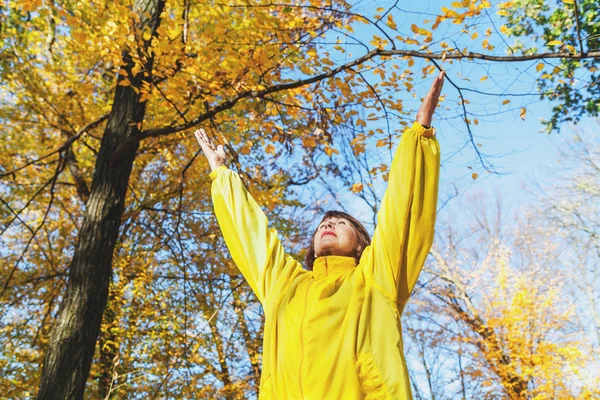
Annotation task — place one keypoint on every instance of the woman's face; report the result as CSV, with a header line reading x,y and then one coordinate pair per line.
x,y
336,237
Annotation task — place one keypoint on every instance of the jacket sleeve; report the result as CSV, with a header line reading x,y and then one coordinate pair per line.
x,y
406,219
254,247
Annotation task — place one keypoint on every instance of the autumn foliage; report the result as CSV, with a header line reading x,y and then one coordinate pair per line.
x,y
306,108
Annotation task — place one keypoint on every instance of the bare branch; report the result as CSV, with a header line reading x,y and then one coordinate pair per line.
x,y
578,27
466,120
65,145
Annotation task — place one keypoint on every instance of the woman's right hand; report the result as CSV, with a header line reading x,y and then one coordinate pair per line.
x,y
215,155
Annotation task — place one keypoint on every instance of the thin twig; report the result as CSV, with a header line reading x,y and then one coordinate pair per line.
x,y
186,348
52,183
61,148
577,26
466,118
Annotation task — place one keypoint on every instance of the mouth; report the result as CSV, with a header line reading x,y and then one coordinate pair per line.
x,y
328,233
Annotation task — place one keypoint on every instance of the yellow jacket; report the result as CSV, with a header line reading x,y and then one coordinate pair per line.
x,y
334,332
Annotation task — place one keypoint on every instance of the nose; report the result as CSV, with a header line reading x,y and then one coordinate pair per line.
x,y
329,224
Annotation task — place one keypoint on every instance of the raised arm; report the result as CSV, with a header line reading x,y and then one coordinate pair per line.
x,y
254,247
406,219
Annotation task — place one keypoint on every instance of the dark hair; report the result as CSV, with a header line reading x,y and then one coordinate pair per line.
x,y
364,239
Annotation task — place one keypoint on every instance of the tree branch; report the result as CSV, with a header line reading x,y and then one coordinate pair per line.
x,y
228,104
578,27
65,145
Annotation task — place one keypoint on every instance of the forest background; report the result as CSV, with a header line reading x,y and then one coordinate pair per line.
x,y
115,281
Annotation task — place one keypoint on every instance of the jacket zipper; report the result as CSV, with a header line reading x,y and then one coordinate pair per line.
x,y
302,341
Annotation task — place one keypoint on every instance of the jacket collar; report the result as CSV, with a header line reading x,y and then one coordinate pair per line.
x,y
329,266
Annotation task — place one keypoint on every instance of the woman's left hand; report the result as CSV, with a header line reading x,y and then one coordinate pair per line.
x,y
431,100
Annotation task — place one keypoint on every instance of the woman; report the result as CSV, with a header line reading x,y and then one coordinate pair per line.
x,y
332,329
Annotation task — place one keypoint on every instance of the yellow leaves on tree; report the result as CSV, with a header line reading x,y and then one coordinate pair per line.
x,y
524,310
170,272
514,323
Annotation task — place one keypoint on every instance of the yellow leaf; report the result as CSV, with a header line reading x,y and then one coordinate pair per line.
x,y
136,69
554,43
30,6
483,78
80,37
380,9
308,142
539,67
474,36
414,28
505,102
428,70
357,187
476,121
474,175
411,62
147,34
523,113
390,22
568,1
245,150
329,151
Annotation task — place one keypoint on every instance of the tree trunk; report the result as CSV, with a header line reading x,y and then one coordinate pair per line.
x,y
75,332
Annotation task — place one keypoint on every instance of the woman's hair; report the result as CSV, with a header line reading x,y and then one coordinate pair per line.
x,y
364,239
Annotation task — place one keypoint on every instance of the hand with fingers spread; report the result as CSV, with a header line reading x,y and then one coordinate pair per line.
x,y
431,100
215,155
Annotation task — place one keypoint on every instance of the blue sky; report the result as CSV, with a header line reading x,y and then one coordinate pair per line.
x,y
520,150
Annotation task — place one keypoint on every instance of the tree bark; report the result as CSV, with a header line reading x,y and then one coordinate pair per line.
x,y
75,332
